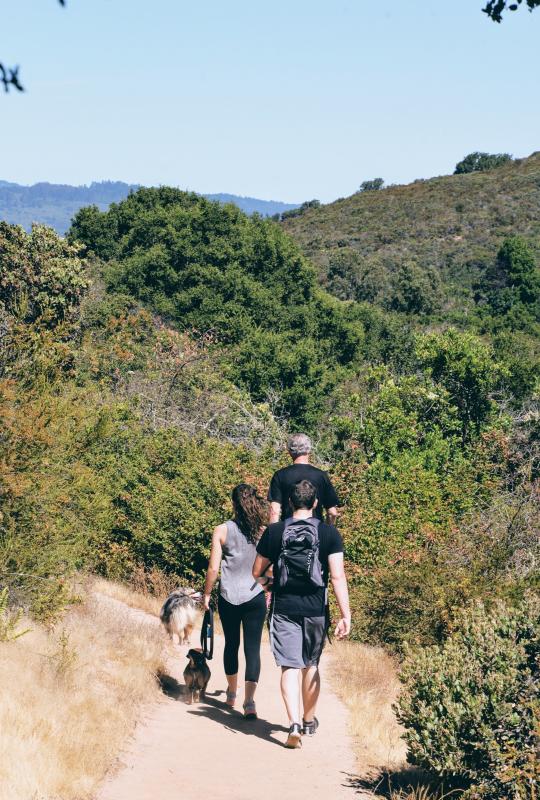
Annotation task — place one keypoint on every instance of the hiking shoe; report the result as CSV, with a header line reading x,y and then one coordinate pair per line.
x,y
310,728
250,711
294,739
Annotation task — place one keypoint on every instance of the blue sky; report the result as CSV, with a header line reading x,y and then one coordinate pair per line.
x,y
286,100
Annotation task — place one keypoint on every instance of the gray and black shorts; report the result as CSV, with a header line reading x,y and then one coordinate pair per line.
x,y
297,641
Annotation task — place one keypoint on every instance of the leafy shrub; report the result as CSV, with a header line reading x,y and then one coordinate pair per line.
x,y
9,619
470,706
480,162
372,186
296,212
464,365
414,290
41,276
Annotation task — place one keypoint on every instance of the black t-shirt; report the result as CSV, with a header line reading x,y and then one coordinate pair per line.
x,y
286,602
284,479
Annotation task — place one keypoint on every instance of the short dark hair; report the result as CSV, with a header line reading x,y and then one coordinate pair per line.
x,y
303,495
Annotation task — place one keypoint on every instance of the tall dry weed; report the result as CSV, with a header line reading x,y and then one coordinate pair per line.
x,y
146,591
70,696
366,680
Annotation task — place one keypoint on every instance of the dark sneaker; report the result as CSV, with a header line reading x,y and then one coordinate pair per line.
x,y
310,728
294,739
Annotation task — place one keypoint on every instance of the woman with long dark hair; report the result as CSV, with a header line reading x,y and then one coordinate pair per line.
x,y
241,602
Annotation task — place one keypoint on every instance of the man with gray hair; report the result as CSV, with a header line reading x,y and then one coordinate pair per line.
x,y
283,481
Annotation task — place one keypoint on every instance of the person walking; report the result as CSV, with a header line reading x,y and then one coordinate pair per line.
x,y
303,553
299,448
241,602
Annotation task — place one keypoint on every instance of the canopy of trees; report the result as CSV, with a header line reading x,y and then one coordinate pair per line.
x,y
479,162
372,186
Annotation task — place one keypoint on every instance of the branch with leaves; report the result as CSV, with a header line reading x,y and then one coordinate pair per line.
x,y
9,76
496,8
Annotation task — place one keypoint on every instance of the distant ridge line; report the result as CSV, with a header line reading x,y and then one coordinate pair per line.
x,y
55,204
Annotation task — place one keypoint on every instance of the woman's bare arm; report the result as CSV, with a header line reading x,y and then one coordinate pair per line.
x,y
218,540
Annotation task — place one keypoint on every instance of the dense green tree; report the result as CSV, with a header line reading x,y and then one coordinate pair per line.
x,y
372,186
519,353
99,233
414,290
480,162
517,267
511,286
465,366
211,268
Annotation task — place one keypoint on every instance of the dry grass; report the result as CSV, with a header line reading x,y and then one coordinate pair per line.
x,y
147,598
147,590
367,682
144,601
421,793
70,696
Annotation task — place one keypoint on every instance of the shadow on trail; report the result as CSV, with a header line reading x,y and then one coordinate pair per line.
x,y
235,721
407,779
170,686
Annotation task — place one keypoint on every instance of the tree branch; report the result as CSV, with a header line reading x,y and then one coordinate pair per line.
x,y
495,8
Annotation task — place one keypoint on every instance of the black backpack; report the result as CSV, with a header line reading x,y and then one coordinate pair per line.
x,y
299,566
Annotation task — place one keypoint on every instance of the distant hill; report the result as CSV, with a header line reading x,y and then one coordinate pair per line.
x,y
56,204
447,228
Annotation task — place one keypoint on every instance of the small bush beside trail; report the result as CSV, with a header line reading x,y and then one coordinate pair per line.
x,y
471,707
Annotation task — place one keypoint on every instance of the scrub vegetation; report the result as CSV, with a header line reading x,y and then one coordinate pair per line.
x,y
70,696
161,353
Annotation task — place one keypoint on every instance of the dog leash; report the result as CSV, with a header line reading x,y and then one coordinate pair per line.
x,y
207,634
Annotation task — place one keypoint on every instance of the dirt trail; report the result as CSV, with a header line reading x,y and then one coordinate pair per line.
x,y
204,750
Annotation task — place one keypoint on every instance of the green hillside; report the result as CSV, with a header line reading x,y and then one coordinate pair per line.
x,y
160,354
448,229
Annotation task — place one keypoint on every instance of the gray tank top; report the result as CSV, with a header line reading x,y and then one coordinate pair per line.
x,y
236,567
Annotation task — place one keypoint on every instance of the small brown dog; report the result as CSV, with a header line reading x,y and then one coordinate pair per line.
x,y
196,675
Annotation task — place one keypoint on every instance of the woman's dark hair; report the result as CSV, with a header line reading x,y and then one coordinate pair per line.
x,y
251,511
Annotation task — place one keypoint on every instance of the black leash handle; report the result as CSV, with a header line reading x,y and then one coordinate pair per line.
x,y
207,634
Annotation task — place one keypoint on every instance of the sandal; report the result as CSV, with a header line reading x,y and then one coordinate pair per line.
x,y
250,712
230,698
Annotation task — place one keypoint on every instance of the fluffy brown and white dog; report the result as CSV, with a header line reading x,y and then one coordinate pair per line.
x,y
179,613
196,675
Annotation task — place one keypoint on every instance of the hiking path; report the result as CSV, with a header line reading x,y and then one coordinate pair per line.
x,y
205,751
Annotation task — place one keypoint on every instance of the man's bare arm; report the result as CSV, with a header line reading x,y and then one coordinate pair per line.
x,y
339,584
275,511
260,570
331,515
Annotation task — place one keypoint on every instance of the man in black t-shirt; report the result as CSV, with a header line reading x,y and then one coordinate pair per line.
x,y
299,447
298,620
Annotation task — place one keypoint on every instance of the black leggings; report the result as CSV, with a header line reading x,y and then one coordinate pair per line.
x,y
251,615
